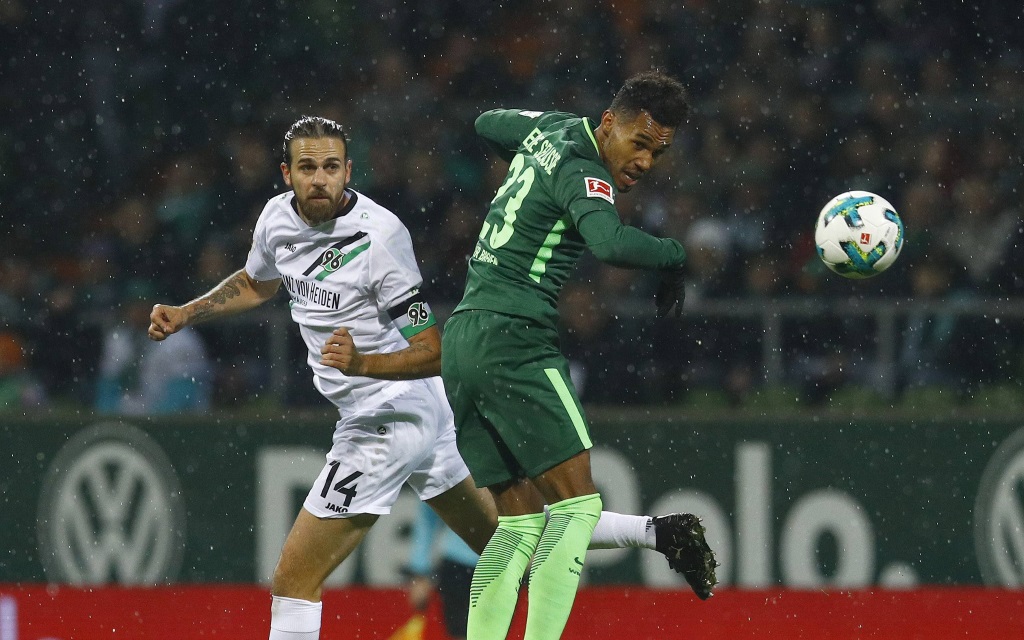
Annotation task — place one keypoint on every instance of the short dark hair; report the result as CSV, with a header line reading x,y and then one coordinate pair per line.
x,y
313,127
658,94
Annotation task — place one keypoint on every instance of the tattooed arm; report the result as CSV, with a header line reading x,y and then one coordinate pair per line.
x,y
238,292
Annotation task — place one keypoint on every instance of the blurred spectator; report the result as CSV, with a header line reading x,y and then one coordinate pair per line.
x,y
216,258
709,251
764,280
20,303
445,251
251,173
763,276
980,233
608,365
396,95
186,201
140,377
426,196
860,164
923,210
751,220
138,245
937,158
238,373
19,388
926,351
95,280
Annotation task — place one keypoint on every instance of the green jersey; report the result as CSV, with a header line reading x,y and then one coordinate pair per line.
x,y
531,239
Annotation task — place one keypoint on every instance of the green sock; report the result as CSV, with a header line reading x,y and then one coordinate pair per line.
x,y
557,565
499,571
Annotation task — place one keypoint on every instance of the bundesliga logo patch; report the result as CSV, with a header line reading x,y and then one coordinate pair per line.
x,y
599,189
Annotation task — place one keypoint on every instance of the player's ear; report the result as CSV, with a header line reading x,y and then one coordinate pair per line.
x,y
286,174
607,119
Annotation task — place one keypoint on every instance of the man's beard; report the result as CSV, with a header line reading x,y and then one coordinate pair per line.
x,y
319,211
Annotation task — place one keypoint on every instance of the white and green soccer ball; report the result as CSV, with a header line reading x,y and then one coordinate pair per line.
x,y
858,234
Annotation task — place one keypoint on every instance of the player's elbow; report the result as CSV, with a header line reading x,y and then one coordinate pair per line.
x,y
432,364
263,290
433,369
609,253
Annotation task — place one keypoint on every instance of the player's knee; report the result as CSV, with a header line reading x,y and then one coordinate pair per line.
x,y
280,583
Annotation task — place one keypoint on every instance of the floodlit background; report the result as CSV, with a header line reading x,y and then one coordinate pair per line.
x,y
140,139
855,448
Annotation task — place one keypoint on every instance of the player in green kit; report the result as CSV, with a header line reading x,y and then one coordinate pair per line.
x,y
520,424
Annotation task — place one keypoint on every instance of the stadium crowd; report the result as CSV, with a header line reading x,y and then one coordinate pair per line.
x,y
141,140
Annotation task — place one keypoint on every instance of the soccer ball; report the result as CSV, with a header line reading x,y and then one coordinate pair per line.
x,y
858,234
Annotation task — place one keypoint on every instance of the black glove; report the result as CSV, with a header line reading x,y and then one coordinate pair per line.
x,y
671,291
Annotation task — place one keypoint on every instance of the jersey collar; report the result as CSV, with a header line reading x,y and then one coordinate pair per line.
x,y
590,132
350,205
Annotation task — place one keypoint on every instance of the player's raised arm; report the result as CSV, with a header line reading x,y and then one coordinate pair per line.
x,y
505,129
236,293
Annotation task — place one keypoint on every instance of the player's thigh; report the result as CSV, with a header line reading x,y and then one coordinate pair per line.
x,y
441,467
469,512
529,398
459,366
313,549
517,497
569,479
463,367
376,451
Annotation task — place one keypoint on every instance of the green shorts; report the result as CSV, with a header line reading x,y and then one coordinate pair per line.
x,y
516,410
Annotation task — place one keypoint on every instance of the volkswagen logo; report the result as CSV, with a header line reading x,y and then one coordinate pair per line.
x,y
111,510
999,515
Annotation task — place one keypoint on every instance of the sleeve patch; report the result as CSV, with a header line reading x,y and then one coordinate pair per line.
x,y
531,114
597,188
412,315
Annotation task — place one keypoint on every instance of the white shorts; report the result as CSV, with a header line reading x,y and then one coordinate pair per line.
x,y
410,438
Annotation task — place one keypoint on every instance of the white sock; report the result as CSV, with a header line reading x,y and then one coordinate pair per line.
x,y
294,619
617,531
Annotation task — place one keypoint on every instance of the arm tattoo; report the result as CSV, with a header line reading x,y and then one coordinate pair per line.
x,y
421,346
230,288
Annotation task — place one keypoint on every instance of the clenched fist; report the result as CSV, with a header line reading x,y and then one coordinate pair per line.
x,y
340,352
165,320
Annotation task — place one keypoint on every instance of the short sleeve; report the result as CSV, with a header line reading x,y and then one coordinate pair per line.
x,y
396,279
260,264
393,270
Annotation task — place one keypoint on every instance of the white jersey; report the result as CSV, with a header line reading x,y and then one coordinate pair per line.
x,y
356,271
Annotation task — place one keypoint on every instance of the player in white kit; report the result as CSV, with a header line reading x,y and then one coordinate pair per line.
x,y
374,348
